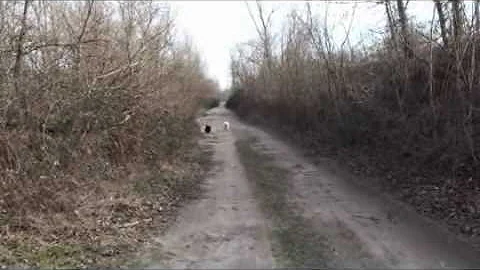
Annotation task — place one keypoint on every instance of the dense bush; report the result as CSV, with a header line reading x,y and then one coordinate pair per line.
x,y
234,99
211,103
413,99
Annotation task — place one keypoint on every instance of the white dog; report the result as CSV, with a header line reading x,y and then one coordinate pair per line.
x,y
226,125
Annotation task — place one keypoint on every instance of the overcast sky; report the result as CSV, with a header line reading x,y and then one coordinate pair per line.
x,y
217,26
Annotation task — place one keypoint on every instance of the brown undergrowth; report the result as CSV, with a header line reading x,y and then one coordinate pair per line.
x,y
95,213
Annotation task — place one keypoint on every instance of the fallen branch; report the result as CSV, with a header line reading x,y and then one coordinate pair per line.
x,y
129,225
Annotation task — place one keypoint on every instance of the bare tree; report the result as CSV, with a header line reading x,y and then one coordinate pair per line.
x,y
457,19
391,23
263,30
17,68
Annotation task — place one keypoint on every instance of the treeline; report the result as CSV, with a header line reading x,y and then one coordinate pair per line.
x,y
90,91
412,98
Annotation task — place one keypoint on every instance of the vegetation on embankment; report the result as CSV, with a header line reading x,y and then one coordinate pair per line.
x,y
97,136
404,109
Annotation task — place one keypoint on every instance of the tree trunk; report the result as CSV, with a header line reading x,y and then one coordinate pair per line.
x,y
442,20
457,20
391,24
18,65
76,47
402,14
477,17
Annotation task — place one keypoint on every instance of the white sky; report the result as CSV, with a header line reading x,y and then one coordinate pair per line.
x,y
216,27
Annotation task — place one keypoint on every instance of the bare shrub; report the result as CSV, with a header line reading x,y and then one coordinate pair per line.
x,y
396,92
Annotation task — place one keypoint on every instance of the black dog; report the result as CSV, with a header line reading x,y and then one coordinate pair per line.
x,y
208,128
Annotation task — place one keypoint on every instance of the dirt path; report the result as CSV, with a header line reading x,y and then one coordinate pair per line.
x,y
224,229
266,206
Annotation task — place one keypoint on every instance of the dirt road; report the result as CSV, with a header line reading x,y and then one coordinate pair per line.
x,y
265,206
